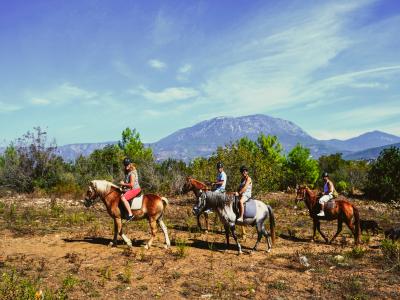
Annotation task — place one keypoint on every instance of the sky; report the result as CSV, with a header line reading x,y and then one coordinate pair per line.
x,y
86,70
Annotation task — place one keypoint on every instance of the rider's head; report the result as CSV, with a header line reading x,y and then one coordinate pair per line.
x,y
219,165
127,162
325,175
243,170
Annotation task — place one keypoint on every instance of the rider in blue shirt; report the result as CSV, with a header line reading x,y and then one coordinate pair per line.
x,y
220,184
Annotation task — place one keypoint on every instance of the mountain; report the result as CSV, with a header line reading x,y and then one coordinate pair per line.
x,y
365,141
368,154
203,138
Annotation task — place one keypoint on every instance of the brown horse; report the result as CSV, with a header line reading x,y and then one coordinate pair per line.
x,y
343,211
196,186
153,208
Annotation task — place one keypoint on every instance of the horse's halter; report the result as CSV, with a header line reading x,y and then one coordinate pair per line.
x,y
201,204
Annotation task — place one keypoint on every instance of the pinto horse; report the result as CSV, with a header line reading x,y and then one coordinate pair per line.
x,y
153,208
343,211
195,186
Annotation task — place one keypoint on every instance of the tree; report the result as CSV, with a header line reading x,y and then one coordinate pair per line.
x,y
300,167
133,147
383,180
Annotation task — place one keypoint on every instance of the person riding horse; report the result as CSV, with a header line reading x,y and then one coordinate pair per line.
x,y
244,190
329,191
130,185
220,184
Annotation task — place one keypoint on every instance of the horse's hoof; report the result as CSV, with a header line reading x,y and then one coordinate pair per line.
x,y
112,244
206,231
312,241
166,246
269,250
147,247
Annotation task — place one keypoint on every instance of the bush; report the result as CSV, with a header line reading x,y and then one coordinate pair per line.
x,y
391,253
342,186
384,176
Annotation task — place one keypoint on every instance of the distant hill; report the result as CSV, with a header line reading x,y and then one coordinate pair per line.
x,y
368,154
203,138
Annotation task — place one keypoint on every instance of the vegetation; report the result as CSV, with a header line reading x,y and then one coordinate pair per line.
x,y
31,164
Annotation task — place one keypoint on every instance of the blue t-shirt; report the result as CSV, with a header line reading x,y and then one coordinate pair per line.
x,y
221,176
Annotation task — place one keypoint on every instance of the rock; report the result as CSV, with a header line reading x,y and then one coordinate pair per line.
x,y
339,258
206,296
304,261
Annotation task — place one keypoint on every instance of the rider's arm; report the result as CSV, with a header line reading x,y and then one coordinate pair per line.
x,y
131,181
248,181
330,187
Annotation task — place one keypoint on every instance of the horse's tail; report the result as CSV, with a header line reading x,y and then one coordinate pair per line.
x,y
165,201
271,223
357,229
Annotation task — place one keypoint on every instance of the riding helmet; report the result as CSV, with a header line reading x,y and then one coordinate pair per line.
x,y
325,174
127,161
220,165
243,168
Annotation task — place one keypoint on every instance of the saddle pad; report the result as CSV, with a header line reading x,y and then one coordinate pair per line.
x,y
136,203
250,209
331,204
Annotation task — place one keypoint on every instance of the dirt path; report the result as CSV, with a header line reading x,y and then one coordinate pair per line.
x,y
77,261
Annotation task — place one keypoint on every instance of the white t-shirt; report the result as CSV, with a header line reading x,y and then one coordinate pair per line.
x,y
221,176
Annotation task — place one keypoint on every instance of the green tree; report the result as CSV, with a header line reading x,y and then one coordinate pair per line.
x,y
133,147
383,180
300,167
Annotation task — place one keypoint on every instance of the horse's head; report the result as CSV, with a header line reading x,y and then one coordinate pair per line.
x,y
187,186
91,194
200,206
301,191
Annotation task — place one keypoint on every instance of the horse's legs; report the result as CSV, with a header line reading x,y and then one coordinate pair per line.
x,y
351,227
320,232
153,228
119,228
339,229
226,226
164,230
206,220
267,236
259,236
115,239
232,227
198,222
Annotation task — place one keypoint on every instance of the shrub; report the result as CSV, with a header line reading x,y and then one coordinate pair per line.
x,y
342,186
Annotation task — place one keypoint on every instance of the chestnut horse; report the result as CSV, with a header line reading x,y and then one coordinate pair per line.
x,y
195,186
153,208
343,211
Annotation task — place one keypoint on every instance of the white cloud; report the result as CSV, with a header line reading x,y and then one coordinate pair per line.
x,y
40,101
167,95
184,72
63,93
157,64
6,107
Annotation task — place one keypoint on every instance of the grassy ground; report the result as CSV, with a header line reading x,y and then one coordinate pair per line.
x,y
57,249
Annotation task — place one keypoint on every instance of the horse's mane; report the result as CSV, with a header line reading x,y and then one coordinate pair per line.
x,y
217,199
103,186
197,181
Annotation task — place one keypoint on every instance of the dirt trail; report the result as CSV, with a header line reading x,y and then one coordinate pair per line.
x,y
197,266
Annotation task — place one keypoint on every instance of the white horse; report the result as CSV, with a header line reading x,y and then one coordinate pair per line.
x,y
223,204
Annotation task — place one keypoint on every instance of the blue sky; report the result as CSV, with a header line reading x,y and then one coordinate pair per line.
x,y
88,69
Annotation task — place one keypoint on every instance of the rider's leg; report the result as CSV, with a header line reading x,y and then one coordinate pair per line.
x,y
241,208
322,201
127,206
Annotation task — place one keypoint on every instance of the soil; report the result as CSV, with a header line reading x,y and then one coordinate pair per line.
x,y
62,248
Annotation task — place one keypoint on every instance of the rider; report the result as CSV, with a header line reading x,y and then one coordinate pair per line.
x,y
220,184
130,185
328,193
244,190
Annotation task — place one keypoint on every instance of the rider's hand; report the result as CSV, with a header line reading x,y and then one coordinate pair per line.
x,y
236,194
121,183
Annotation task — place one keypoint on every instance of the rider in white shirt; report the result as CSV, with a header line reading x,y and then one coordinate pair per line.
x,y
220,184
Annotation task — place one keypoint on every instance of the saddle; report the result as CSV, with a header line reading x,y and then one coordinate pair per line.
x,y
250,208
331,204
136,204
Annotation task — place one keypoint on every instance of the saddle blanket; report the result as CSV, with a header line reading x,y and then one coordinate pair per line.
x,y
136,203
250,209
331,204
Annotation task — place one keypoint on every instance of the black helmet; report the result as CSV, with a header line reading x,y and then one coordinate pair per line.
x,y
325,174
220,165
127,161
243,168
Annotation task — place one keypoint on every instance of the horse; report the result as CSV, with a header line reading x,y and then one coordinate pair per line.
x,y
343,211
195,186
153,208
223,204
